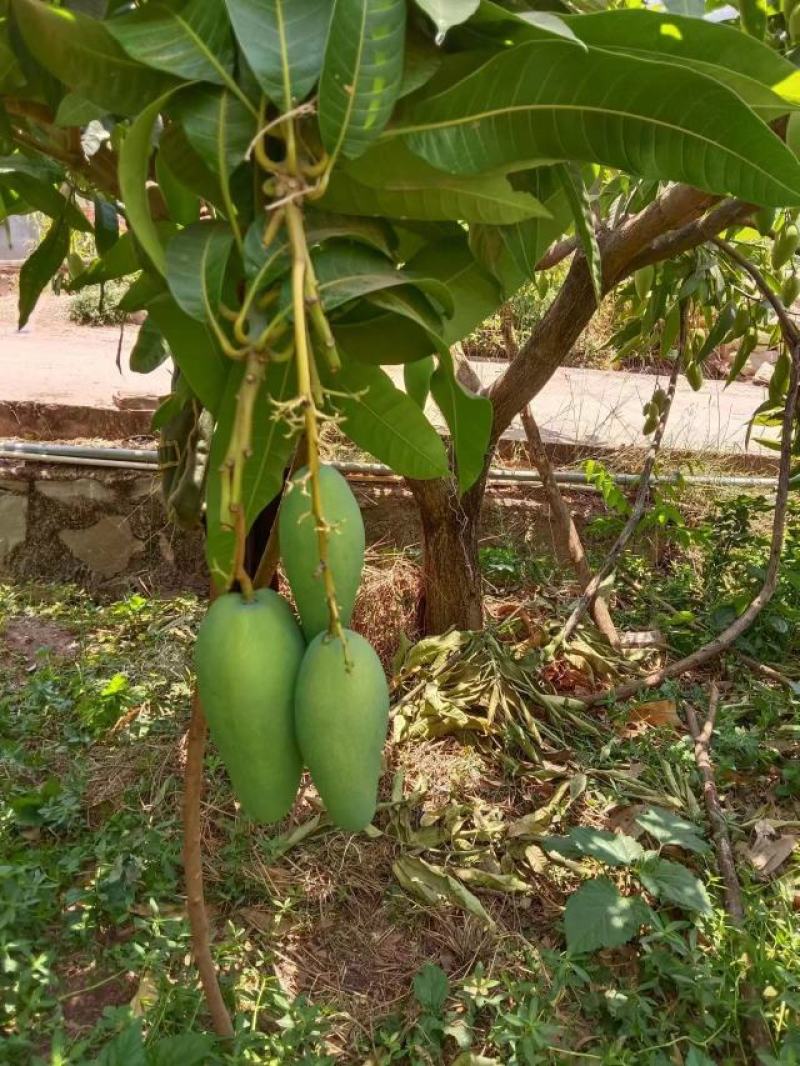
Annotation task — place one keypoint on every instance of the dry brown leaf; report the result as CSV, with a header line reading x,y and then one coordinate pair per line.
x,y
770,851
651,715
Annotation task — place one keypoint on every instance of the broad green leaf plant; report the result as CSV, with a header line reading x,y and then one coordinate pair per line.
x,y
301,192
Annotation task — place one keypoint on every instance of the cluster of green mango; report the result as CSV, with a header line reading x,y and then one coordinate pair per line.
x,y
278,695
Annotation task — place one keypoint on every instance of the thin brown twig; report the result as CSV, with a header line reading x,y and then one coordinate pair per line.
x,y
640,502
757,1033
740,625
193,871
567,536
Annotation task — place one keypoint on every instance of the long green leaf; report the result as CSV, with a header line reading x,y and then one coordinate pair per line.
x,y
40,267
475,293
447,13
548,100
217,124
390,180
188,166
383,339
192,42
194,350
134,166
347,271
527,242
571,181
149,351
82,53
385,421
46,198
272,444
283,41
468,417
196,261
361,74
761,76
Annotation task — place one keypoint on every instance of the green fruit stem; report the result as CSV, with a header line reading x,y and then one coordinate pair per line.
x,y
300,263
239,449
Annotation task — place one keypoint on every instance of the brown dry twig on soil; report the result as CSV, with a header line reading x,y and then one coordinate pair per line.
x,y
567,537
740,625
193,870
640,502
757,1034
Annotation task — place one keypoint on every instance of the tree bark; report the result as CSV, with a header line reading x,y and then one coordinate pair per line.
x,y
452,596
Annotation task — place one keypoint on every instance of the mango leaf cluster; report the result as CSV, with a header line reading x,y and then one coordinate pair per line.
x,y
447,145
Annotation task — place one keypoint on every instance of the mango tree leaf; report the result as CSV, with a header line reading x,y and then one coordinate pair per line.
x,y
217,124
361,73
384,339
571,181
283,41
183,205
76,110
469,418
192,41
41,196
196,261
718,332
598,916
526,242
134,166
673,883
40,266
435,886
668,828
188,166
382,420
653,119
447,13
194,350
272,444
475,294
149,351
106,225
764,78
82,53
347,271
390,180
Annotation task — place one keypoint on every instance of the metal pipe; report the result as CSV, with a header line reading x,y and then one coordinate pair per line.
x,y
147,459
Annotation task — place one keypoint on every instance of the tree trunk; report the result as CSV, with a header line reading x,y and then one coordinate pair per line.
x,y
452,596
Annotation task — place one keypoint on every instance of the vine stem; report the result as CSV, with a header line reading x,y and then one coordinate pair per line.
x,y
303,357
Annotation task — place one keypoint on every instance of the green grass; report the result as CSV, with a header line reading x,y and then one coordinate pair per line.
x,y
324,954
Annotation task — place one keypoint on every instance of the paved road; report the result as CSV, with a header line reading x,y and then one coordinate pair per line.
x,y
53,362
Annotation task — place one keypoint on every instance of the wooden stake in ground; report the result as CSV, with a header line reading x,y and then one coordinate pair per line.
x,y
757,1033
568,539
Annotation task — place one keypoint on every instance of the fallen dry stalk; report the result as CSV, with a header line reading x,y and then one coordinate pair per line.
x,y
757,1033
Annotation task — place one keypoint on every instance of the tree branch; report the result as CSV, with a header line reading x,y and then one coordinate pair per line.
x,y
740,625
640,502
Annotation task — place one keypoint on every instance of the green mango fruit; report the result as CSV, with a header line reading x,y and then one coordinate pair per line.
x,y
785,245
790,289
694,375
643,281
417,378
300,547
247,657
341,717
